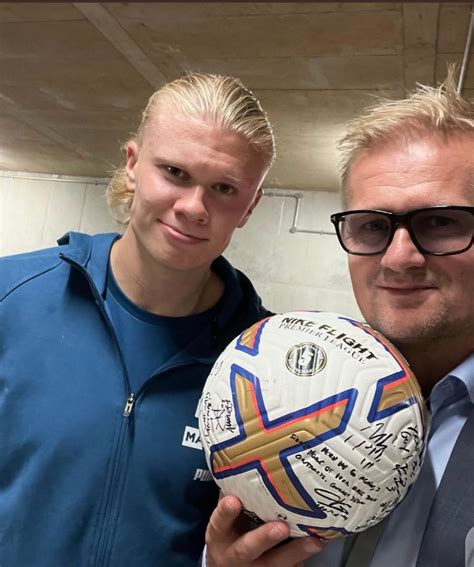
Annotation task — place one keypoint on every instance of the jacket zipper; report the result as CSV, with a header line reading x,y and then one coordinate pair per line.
x,y
104,532
129,405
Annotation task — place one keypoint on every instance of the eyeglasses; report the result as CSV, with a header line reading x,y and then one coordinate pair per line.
x,y
439,231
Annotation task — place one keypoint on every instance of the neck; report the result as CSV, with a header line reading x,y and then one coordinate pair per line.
x,y
432,360
160,289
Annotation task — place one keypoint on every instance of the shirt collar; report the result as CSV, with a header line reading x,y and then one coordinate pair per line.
x,y
465,373
459,383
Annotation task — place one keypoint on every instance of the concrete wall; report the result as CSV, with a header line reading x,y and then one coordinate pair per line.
x,y
290,270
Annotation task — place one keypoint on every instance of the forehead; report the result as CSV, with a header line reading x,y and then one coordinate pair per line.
x,y
410,173
171,130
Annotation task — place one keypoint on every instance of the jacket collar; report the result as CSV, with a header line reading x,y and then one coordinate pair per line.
x,y
90,253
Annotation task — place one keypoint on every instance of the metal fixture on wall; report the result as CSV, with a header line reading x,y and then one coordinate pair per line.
x,y
298,198
56,178
467,50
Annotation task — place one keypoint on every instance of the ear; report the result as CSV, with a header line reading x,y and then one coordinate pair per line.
x,y
132,158
255,202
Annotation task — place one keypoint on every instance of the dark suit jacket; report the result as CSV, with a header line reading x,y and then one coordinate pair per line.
x,y
448,540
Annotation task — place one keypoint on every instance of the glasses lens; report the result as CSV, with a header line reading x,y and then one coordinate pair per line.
x,y
443,230
366,232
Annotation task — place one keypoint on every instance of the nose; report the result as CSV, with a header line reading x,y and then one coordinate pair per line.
x,y
192,204
402,253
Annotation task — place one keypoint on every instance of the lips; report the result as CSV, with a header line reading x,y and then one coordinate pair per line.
x,y
407,292
406,288
179,234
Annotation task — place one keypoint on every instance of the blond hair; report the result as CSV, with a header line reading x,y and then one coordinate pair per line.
x,y
439,110
221,100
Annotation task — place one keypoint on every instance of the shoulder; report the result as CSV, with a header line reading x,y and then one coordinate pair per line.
x,y
241,304
29,267
20,268
238,287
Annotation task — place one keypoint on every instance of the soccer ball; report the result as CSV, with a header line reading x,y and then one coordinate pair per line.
x,y
315,419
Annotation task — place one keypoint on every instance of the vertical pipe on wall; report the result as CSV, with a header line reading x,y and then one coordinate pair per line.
x,y
467,50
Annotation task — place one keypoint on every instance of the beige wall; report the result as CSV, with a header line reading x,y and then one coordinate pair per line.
x,y
290,270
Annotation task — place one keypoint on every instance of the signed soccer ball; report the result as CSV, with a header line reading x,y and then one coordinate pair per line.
x,y
315,419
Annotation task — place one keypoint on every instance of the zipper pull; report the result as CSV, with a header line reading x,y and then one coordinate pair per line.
x,y
129,406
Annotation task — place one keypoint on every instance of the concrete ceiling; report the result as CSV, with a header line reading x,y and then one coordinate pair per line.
x,y
74,77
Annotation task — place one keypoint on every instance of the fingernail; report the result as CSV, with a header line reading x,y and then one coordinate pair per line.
x,y
229,507
276,533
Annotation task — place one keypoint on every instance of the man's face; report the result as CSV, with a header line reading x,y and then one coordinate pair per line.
x,y
408,296
194,184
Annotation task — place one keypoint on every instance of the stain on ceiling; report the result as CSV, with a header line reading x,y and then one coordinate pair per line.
x,y
74,77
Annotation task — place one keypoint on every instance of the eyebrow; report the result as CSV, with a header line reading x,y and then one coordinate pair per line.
x,y
232,180
225,178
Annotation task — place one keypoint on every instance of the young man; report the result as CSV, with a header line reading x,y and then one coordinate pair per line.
x,y
408,187
106,341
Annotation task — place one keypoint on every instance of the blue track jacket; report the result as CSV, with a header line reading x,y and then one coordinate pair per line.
x,y
80,483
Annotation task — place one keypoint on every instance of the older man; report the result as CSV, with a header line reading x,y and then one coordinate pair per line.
x,y
408,183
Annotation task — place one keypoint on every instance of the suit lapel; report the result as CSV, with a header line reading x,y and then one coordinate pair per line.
x,y
452,512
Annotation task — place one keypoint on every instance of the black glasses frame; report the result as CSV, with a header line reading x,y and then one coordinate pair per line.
x,y
397,220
